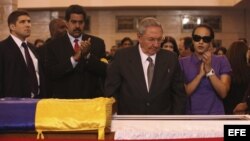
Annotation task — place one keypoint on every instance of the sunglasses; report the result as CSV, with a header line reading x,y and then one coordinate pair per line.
x,y
206,39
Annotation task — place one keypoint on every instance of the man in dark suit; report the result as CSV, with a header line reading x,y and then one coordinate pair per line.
x,y
57,28
21,74
73,60
144,86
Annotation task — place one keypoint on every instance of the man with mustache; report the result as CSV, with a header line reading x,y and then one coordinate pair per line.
x,y
73,60
145,79
21,73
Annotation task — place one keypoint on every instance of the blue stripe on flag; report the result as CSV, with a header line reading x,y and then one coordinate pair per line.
x,y
17,114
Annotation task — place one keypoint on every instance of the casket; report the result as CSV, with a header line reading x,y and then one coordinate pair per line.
x,y
55,115
56,119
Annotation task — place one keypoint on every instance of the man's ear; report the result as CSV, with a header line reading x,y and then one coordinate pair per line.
x,y
12,26
67,24
139,35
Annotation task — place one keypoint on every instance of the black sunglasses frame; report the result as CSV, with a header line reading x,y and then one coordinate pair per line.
x,y
206,39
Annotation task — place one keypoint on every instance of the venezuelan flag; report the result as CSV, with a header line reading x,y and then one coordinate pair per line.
x,y
22,114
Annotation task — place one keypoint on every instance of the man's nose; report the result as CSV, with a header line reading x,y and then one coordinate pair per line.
x,y
28,23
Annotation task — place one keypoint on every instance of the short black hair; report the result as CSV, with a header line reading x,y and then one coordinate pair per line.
x,y
188,43
74,9
243,40
127,39
205,26
14,16
172,41
223,49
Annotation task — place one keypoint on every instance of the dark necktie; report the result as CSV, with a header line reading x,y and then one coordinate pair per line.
x,y
31,69
150,71
76,45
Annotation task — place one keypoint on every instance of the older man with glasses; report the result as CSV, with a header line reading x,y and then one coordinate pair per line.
x,y
207,76
145,79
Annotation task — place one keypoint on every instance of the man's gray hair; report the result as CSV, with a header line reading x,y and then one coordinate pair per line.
x,y
146,22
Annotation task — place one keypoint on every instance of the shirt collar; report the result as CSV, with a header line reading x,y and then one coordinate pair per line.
x,y
144,56
72,39
17,40
195,59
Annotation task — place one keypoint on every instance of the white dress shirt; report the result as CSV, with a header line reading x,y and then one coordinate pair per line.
x,y
34,59
145,63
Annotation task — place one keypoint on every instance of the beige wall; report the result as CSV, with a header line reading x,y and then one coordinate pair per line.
x,y
235,23
103,23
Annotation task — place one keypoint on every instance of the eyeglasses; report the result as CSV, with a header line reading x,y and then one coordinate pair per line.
x,y
153,40
206,39
127,44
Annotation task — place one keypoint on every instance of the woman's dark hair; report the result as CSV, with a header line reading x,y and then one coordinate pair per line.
x,y
127,39
188,43
236,55
38,41
243,40
223,49
205,26
171,40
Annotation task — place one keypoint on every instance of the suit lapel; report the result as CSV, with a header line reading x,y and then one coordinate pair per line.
x,y
137,68
69,51
33,49
159,70
15,50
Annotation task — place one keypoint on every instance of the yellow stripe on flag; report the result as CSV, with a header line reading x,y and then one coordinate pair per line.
x,y
74,115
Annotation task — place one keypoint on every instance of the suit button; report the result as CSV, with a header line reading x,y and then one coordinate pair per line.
x,y
148,104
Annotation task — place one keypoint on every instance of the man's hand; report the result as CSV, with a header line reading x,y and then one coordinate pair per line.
x,y
240,108
85,46
84,49
77,55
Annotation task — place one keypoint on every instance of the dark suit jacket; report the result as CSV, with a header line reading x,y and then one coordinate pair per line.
x,y
83,81
14,73
126,82
247,97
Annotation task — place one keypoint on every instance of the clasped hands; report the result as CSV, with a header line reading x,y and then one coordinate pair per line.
x,y
206,63
84,49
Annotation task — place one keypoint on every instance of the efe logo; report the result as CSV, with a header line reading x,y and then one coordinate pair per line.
x,y
236,132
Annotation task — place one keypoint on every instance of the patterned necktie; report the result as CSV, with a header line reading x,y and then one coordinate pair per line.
x,y
150,71
76,45
31,69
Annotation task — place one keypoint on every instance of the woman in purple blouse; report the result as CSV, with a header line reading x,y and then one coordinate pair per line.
x,y
207,76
